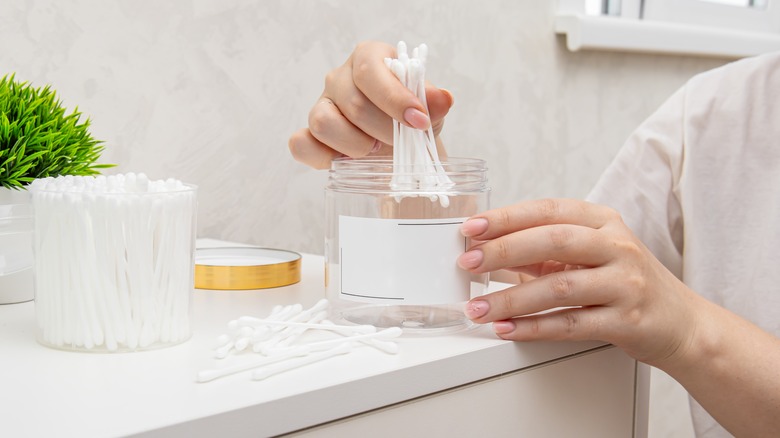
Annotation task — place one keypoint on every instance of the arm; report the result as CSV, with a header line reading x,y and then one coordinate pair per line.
x,y
731,369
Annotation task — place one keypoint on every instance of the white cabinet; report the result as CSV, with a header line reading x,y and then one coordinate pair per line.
x,y
589,395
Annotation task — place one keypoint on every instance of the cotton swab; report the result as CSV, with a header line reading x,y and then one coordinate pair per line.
x,y
384,346
282,345
208,375
416,163
331,327
388,333
113,261
270,370
291,334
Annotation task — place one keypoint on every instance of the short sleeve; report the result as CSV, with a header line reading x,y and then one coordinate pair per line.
x,y
641,182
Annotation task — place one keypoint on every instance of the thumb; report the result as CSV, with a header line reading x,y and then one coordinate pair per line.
x,y
439,103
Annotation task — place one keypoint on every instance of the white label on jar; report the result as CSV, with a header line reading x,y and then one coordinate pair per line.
x,y
403,261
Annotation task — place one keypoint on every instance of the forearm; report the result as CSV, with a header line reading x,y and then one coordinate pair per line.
x,y
731,367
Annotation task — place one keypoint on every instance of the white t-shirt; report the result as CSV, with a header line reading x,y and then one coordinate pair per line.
x,y
699,183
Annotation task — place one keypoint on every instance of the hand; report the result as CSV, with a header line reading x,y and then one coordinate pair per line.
x,y
591,275
353,117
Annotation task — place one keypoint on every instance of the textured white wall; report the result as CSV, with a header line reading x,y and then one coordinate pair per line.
x,y
208,91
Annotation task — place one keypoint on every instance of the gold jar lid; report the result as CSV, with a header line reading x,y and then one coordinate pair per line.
x,y
243,268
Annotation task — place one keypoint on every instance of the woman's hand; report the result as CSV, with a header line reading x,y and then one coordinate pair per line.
x,y
592,277
353,117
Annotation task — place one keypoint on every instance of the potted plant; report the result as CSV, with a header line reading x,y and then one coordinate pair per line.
x,y
38,138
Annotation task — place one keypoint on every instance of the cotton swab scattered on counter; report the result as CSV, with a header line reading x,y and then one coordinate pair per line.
x,y
113,261
416,164
331,327
280,367
388,333
278,338
208,375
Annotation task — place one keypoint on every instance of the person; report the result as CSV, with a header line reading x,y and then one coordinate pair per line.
x,y
673,258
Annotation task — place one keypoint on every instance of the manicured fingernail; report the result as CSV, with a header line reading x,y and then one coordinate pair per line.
x,y
471,259
476,309
503,327
474,227
449,96
376,147
416,118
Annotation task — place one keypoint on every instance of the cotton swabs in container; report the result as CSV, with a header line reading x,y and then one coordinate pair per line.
x,y
416,164
113,261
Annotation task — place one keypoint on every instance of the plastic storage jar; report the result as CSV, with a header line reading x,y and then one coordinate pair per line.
x,y
113,271
16,258
390,254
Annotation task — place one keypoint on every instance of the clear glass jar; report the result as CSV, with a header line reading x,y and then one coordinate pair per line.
x,y
390,253
16,258
114,271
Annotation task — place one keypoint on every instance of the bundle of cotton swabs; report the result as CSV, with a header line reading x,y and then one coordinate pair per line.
x,y
279,339
113,261
416,164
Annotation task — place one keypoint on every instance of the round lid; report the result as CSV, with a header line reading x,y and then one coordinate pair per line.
x,y
243,268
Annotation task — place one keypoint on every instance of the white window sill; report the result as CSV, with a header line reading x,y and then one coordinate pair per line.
x,y
585,32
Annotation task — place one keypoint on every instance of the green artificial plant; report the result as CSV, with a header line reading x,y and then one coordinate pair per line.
x,y
37,138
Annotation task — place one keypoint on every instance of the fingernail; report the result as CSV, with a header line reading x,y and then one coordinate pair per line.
x,y
471,259
503,327
376,147
474,227
416,118
449,96
476,309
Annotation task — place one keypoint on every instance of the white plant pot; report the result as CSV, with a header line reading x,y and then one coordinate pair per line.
x,y
16,254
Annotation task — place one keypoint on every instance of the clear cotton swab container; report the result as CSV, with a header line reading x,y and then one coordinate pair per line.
x,y
391,249
113,262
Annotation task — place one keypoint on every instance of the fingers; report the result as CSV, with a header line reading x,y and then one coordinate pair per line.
x,y
561,325
382,88
574,288
565,244
355,107
544,234
308,150
501,221
439,103
346,120
370,96
354,115
329,126
580,301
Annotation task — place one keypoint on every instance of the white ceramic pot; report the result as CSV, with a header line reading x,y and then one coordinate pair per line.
x,y
16,254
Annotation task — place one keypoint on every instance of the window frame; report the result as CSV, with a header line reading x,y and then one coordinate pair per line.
x,y
719,15
697,28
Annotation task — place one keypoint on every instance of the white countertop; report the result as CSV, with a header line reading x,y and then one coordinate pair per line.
x,y
47,392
